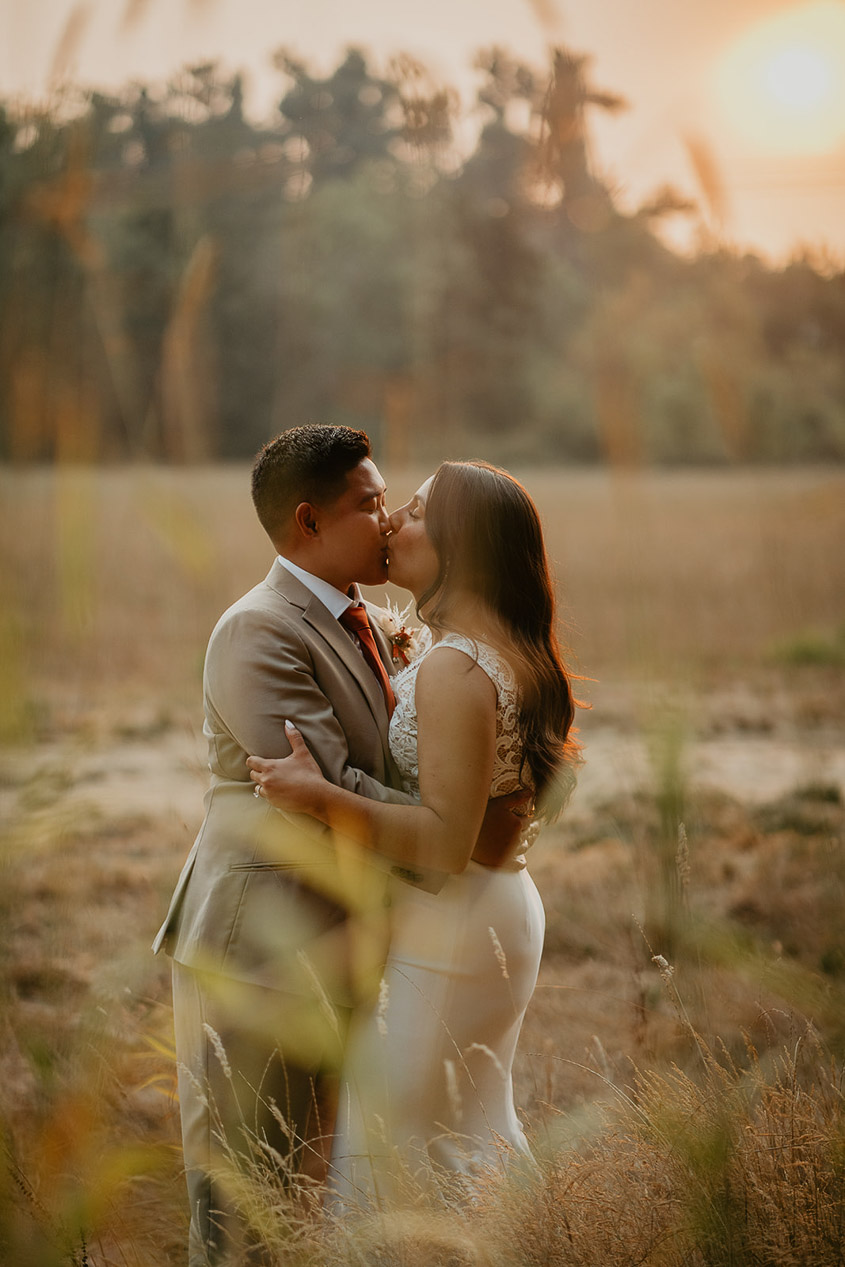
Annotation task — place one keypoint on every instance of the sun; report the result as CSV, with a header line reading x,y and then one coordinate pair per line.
x,y
799,78
782,85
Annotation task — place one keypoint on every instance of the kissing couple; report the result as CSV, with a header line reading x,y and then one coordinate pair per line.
x,y
355,937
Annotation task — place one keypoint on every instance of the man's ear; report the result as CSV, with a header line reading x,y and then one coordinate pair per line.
x,y
305,517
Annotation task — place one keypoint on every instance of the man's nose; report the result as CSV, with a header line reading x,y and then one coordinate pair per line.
x,y
385,520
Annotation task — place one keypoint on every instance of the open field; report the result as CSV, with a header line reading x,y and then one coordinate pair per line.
x,y
708,612
113,578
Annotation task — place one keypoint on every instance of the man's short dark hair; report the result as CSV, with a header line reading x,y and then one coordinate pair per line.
x,y
304,464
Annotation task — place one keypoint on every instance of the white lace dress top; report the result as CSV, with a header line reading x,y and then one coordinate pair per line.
x,y
403,723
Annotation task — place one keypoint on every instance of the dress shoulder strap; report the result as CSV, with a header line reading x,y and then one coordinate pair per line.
x,y
485,656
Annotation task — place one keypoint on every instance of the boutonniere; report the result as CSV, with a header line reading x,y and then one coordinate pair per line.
x,y
405,641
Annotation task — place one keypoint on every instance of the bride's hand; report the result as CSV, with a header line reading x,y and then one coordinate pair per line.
x,y
291,783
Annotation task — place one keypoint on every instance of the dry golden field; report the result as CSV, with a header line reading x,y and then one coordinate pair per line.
x,y
706,612
113,578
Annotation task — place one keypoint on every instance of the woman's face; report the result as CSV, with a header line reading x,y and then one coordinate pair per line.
x,y
412,560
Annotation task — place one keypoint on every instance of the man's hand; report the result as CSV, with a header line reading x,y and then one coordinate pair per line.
x,y
504,820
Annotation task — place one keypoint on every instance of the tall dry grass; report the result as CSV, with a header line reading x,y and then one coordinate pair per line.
x,y
693,1120
740,1165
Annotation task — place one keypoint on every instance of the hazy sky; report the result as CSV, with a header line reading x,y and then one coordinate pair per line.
x,y
760,82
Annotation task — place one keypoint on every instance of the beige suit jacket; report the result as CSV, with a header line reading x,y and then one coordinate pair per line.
x,y
267,897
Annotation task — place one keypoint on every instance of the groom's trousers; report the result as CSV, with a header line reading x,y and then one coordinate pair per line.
x,y
257,1081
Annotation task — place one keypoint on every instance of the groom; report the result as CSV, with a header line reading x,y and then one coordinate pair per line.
x,y
276,928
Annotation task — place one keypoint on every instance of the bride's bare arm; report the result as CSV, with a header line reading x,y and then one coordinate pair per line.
x,y
456,711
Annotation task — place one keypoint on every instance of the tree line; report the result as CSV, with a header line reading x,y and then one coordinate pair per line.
x,y
180,282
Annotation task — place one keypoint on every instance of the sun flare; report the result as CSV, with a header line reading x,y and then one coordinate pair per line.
x,y
799,78
782,85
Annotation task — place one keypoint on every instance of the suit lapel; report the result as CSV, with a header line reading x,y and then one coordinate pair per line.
x,y
385,648
320,619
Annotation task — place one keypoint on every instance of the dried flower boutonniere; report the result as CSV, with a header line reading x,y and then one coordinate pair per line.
x,y
406,642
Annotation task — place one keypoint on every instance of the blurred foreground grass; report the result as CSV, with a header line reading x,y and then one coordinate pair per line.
x,y
685,1109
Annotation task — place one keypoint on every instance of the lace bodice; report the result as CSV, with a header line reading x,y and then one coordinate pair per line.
x,y
403,723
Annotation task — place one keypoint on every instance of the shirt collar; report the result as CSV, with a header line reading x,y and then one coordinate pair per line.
x,y
334,599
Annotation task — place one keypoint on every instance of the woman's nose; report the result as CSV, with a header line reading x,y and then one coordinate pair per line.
x,y
395,519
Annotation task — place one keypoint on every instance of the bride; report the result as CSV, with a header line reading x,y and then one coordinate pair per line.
x,y
485,709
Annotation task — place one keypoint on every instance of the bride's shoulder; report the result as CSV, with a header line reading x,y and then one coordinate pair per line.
x,y
450,674
488,658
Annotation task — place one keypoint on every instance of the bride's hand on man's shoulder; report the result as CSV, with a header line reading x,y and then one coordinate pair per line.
x,y
290,783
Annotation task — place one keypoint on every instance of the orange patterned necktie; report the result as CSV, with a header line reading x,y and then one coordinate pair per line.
x,y
355,620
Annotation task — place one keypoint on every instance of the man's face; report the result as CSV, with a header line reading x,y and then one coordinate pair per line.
x,y
351,539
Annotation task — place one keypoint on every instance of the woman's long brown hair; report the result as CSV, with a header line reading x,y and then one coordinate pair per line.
x,y
489,542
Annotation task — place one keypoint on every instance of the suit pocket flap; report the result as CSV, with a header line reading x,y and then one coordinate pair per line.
x,y
274,866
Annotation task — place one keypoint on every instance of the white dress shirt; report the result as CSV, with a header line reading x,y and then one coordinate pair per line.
x,y
334,599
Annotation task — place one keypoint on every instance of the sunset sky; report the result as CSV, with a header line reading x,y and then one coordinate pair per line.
x,y
758,84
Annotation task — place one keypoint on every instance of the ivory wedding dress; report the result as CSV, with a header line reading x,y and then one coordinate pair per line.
x,y
426,1091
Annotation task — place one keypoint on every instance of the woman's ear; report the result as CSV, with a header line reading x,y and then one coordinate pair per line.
x,y
305,517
